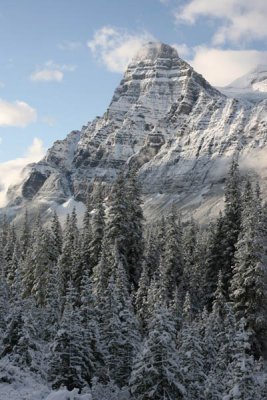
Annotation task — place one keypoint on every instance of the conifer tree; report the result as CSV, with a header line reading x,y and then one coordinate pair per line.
x,y
117,218
232,220
98,227
141,296
56,237
65,262
214,260
135,245
68,358
249,285
192,361
173,262
156,370
25,236
242,382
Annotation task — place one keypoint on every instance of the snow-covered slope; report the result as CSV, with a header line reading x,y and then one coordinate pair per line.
x,y
251,87
164,118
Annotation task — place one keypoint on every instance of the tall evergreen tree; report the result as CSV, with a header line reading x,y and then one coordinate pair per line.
x,y
242,383
135,245
68,358
249,284
156,370
214,260
65,262
232,223
173,262
98,227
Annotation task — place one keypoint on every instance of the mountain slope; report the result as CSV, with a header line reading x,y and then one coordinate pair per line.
x,y
167,121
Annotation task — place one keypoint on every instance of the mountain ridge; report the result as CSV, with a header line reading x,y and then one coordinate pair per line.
x,y
167,121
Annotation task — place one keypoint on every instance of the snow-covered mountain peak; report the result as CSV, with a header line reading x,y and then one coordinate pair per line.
x,y
168,122
154,50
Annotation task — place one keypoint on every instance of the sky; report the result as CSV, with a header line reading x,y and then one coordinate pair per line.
x,y
62,59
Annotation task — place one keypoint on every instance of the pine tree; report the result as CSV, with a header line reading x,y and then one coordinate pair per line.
x,y
89,319
141,296
242,383
68,358
135,242
65,261
25,236
56,237
41,264
232,221
156,370
192,361
117,218
85,252
8,249
214,260
249,286
98,227
173,263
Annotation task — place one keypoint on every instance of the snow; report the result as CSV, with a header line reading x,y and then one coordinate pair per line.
x,y
67,207
66,395
18,384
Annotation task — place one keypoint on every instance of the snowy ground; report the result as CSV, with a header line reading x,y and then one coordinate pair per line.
x,y
16,384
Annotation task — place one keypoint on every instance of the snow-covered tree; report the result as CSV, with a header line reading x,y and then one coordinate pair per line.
x,y
68,358
156,370
249,283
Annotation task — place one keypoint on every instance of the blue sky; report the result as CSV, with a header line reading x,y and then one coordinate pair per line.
x,y
61,60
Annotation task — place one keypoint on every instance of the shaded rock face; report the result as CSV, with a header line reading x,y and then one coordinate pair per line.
x,y
167,121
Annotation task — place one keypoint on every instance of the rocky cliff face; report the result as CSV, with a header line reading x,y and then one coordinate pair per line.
x,y
165,119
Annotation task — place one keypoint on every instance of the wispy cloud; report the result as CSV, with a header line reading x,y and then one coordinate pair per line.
x,y
238,20
18,113
2,84
221,67
51,72
182,49
70,45
115,47
49,120
11,171
1,139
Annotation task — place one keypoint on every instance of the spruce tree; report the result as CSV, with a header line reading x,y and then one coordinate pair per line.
x,y
232,220
68,358
135,245
214,260
173,262
65,261
249,285
98,227
156,370
242,383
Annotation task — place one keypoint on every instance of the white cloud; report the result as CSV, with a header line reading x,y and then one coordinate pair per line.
x,y
16,114
2,84
46,75
115,48
239,20
49,120
11,171
51,72
1,139
182,49
221,67
69,45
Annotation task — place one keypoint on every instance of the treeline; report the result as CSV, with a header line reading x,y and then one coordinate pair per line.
x,y
125,310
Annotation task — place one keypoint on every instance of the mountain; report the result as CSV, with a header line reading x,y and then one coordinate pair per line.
x,y
251,86
167,121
